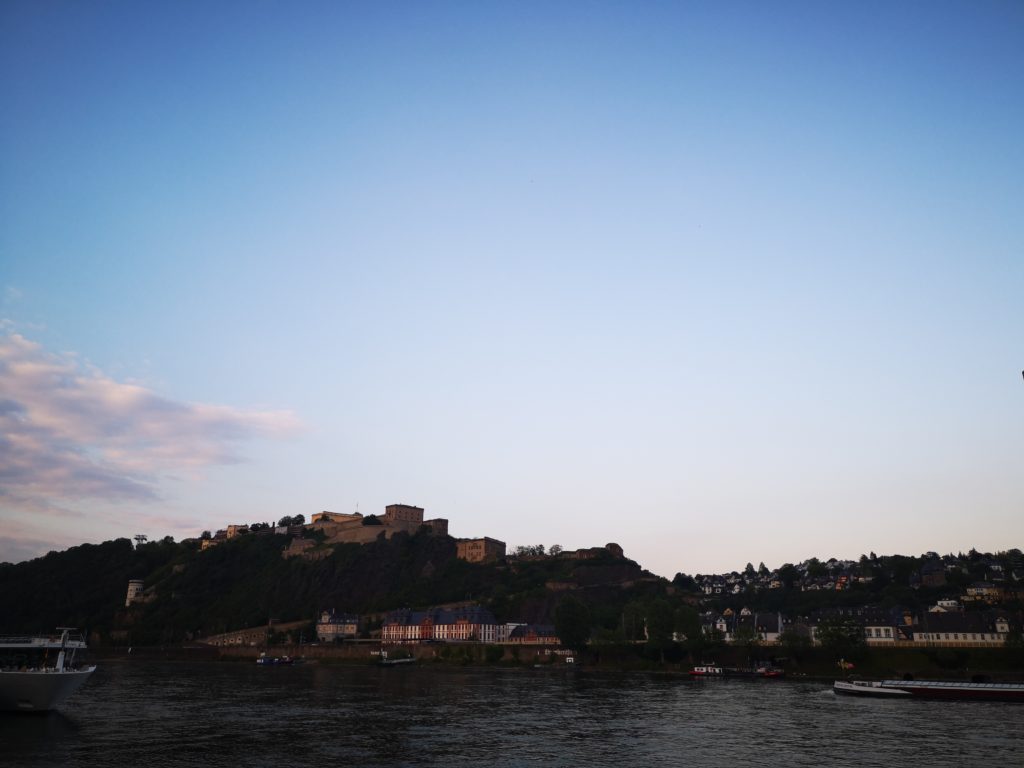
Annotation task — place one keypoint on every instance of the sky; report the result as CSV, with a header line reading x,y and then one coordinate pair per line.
x,y
719,282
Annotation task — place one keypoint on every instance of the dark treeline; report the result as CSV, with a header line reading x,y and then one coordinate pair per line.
x,y
245,582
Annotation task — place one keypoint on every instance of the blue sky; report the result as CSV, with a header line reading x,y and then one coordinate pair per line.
x,y
718,282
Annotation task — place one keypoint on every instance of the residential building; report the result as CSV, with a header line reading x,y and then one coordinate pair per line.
x,y
533,634
332,626
965,629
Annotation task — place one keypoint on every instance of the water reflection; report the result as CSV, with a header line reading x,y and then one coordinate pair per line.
x,y
22,732
156,715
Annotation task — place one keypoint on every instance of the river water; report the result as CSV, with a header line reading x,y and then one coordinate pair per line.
x,y
155,714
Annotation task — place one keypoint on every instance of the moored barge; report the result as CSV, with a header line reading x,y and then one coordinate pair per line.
x,y
931,689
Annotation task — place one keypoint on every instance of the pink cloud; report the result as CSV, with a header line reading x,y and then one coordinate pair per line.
x,y
69,433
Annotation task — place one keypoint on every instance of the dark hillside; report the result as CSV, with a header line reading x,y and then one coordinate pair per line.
x,y
81,587
245,581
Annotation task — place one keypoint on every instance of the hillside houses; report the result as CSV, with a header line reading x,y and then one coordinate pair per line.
x,y
880,626
975,578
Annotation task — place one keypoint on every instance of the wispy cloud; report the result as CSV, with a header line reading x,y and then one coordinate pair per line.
x,y
70,433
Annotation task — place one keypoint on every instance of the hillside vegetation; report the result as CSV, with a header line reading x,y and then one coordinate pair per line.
x,y
245,582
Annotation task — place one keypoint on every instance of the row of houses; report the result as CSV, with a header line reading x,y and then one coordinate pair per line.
x,y
996,583
469,623
938,626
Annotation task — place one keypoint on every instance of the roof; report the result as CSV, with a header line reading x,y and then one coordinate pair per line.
x,y
538,630
472,614
339,618
957,622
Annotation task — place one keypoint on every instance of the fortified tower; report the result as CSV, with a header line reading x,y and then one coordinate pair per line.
x,y
404,513
134,591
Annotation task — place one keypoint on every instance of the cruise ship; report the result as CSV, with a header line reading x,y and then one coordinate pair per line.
x,y
38,673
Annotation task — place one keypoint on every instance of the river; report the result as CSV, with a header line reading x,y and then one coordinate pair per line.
x,y
156,714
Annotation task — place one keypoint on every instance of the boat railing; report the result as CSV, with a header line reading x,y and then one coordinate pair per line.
x,y
75,641
952,684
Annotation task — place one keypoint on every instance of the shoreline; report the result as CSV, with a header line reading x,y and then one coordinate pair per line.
x,y
996,665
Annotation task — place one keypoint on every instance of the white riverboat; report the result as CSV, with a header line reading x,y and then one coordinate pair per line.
x,y
37,673
950,690
868,688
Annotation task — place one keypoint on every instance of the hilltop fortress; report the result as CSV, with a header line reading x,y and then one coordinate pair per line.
x,y
354,528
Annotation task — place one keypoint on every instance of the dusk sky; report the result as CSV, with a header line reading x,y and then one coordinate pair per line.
x,y
719,282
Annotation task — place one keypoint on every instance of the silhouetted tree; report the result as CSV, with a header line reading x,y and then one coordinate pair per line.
x,y
572,623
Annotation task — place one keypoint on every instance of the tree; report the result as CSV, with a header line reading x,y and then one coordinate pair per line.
x,y
842,636
762,570
746,638
299,520
788,574
815,568
206,535
749,571
285,521
687,624
572,623
660,622
633,621
529,550
555,549
795,641
685,583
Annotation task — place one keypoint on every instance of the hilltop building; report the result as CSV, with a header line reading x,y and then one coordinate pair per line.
x,y
134,591
342,528
480,550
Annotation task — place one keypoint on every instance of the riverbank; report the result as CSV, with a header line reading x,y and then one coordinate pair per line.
x,y
925,663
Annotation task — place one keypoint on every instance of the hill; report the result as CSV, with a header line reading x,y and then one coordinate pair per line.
x,y
245,581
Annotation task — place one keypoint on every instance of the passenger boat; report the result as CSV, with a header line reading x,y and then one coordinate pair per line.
x,y
38,673
713,670
393,661
707,670
266,661
931,689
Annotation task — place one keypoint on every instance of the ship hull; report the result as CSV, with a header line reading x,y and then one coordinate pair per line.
x,y
38,690
966,694
932,689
